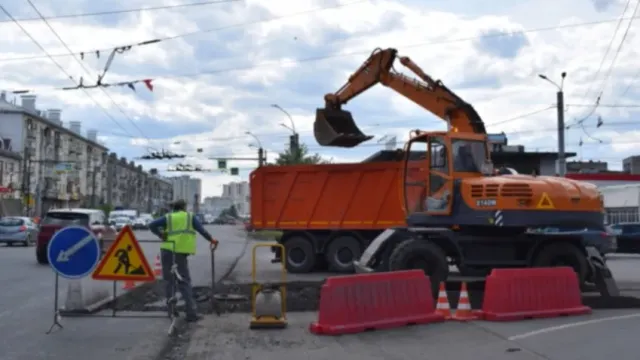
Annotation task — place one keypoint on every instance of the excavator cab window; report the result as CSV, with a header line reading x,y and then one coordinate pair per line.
x,y
427,179
468,155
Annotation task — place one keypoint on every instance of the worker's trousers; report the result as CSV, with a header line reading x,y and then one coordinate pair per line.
x,y
184,286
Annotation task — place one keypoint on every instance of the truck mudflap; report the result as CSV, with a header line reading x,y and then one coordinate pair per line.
x,y
600,274
364,265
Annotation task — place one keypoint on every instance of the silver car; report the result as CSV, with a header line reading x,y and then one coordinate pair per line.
x,y
18,230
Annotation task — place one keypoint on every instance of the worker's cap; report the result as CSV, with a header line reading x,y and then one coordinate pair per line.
x,y
179,203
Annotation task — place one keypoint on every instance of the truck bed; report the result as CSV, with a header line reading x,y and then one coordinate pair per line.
x,y
362,196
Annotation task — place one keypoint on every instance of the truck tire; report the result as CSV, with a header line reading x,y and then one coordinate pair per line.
x,y
341,253
301,258
424,255
41,256
563,254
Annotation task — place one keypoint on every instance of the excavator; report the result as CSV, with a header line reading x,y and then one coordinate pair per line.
x,y
459,209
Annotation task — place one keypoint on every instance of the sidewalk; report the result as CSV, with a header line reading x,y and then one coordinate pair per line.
x,y
228,338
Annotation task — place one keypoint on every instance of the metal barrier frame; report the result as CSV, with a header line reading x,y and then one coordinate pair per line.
x,y
57,316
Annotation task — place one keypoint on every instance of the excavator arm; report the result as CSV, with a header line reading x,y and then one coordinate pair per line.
x,y
336,127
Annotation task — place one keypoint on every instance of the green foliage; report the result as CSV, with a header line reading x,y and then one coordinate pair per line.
x,y
107,209
300,156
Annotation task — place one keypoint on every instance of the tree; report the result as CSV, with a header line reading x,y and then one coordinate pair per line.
x,y
301,156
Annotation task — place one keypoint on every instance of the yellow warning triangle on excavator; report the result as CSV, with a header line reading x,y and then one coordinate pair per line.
x,y
545,202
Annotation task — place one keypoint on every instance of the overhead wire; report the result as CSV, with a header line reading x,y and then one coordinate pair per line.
x,y
276,18
6,12
197,32
608,74
125,11
84,67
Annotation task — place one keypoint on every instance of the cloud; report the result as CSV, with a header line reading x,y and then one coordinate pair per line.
x,y
502,43
238,58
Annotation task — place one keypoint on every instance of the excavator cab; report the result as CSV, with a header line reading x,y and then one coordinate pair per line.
x,y
433,161
336,127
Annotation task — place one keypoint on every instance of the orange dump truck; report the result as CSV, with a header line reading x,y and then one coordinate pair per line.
x,y
328,213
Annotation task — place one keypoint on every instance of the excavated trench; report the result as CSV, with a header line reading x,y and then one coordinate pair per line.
x,y
304,296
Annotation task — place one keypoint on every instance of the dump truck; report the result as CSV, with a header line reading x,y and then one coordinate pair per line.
x,y
457,208
328,213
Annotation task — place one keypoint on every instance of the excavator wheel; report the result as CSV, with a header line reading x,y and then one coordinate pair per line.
x,y
563,254
424,255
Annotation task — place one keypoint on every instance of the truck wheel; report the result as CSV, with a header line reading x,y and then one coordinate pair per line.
x,y
563,254
341,252
41,257
421,254
300,255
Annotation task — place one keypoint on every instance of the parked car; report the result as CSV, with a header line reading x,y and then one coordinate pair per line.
x,y
140,224
605,241
248,226
628,237
57,219
120,222
18,230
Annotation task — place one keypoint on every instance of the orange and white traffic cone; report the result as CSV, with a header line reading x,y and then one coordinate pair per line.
x,y
128,285
442,306
157,267
463,312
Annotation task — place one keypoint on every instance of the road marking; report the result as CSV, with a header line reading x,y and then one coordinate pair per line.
x,y
571,325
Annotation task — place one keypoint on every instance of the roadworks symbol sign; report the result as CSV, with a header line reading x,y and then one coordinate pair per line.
x,y
125,261
545,202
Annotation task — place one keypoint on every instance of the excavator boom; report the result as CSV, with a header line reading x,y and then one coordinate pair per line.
x,y
336,127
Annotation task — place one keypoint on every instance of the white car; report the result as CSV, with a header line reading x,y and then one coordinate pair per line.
x,y
121,222
140,223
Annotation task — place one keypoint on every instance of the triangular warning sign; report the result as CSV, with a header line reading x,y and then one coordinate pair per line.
x,y
124,260
545,202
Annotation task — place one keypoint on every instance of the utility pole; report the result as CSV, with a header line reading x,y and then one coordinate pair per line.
x,y
561,164
261,157
294,139
26,180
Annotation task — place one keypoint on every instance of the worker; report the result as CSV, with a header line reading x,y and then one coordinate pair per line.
x,y
178,230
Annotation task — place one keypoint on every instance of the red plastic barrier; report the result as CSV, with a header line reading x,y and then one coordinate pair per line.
x,y
517,294
357,303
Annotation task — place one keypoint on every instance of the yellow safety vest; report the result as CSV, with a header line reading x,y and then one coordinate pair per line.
x,y
180,232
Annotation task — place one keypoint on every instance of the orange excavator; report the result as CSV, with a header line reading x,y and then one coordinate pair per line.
x,y
457,206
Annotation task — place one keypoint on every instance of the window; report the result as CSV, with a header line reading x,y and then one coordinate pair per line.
x,y
8,221
468,155
65,218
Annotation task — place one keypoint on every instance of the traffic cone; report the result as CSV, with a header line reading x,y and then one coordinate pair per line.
x,y
157,267
442,307
463,312
128,285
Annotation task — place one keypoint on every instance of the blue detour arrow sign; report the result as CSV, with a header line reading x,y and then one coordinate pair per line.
x,y
73,252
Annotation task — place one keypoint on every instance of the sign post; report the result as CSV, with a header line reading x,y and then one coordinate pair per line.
x,y
73,253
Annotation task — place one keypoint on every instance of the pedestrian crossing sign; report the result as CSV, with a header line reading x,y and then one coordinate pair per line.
x,y
124,261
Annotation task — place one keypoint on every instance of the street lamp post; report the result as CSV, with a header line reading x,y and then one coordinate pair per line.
x,y
261,157
293,139
561,165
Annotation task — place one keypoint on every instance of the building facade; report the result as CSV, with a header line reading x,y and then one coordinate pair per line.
x,y
59,166
188,189
240,196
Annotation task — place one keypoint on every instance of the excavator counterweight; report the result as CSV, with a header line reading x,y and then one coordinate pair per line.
x,y
335,127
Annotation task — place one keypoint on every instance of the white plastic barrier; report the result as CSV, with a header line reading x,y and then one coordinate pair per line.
x,y
87,295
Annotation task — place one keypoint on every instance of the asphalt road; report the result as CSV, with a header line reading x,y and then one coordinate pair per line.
x,y
26,307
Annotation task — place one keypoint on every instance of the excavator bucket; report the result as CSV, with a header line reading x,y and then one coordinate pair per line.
x,y
338,129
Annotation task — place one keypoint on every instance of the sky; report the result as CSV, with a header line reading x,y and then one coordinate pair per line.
x,y
221,66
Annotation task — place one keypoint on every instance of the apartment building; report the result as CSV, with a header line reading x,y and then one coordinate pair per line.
x,y
60,166
239,194
188,189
